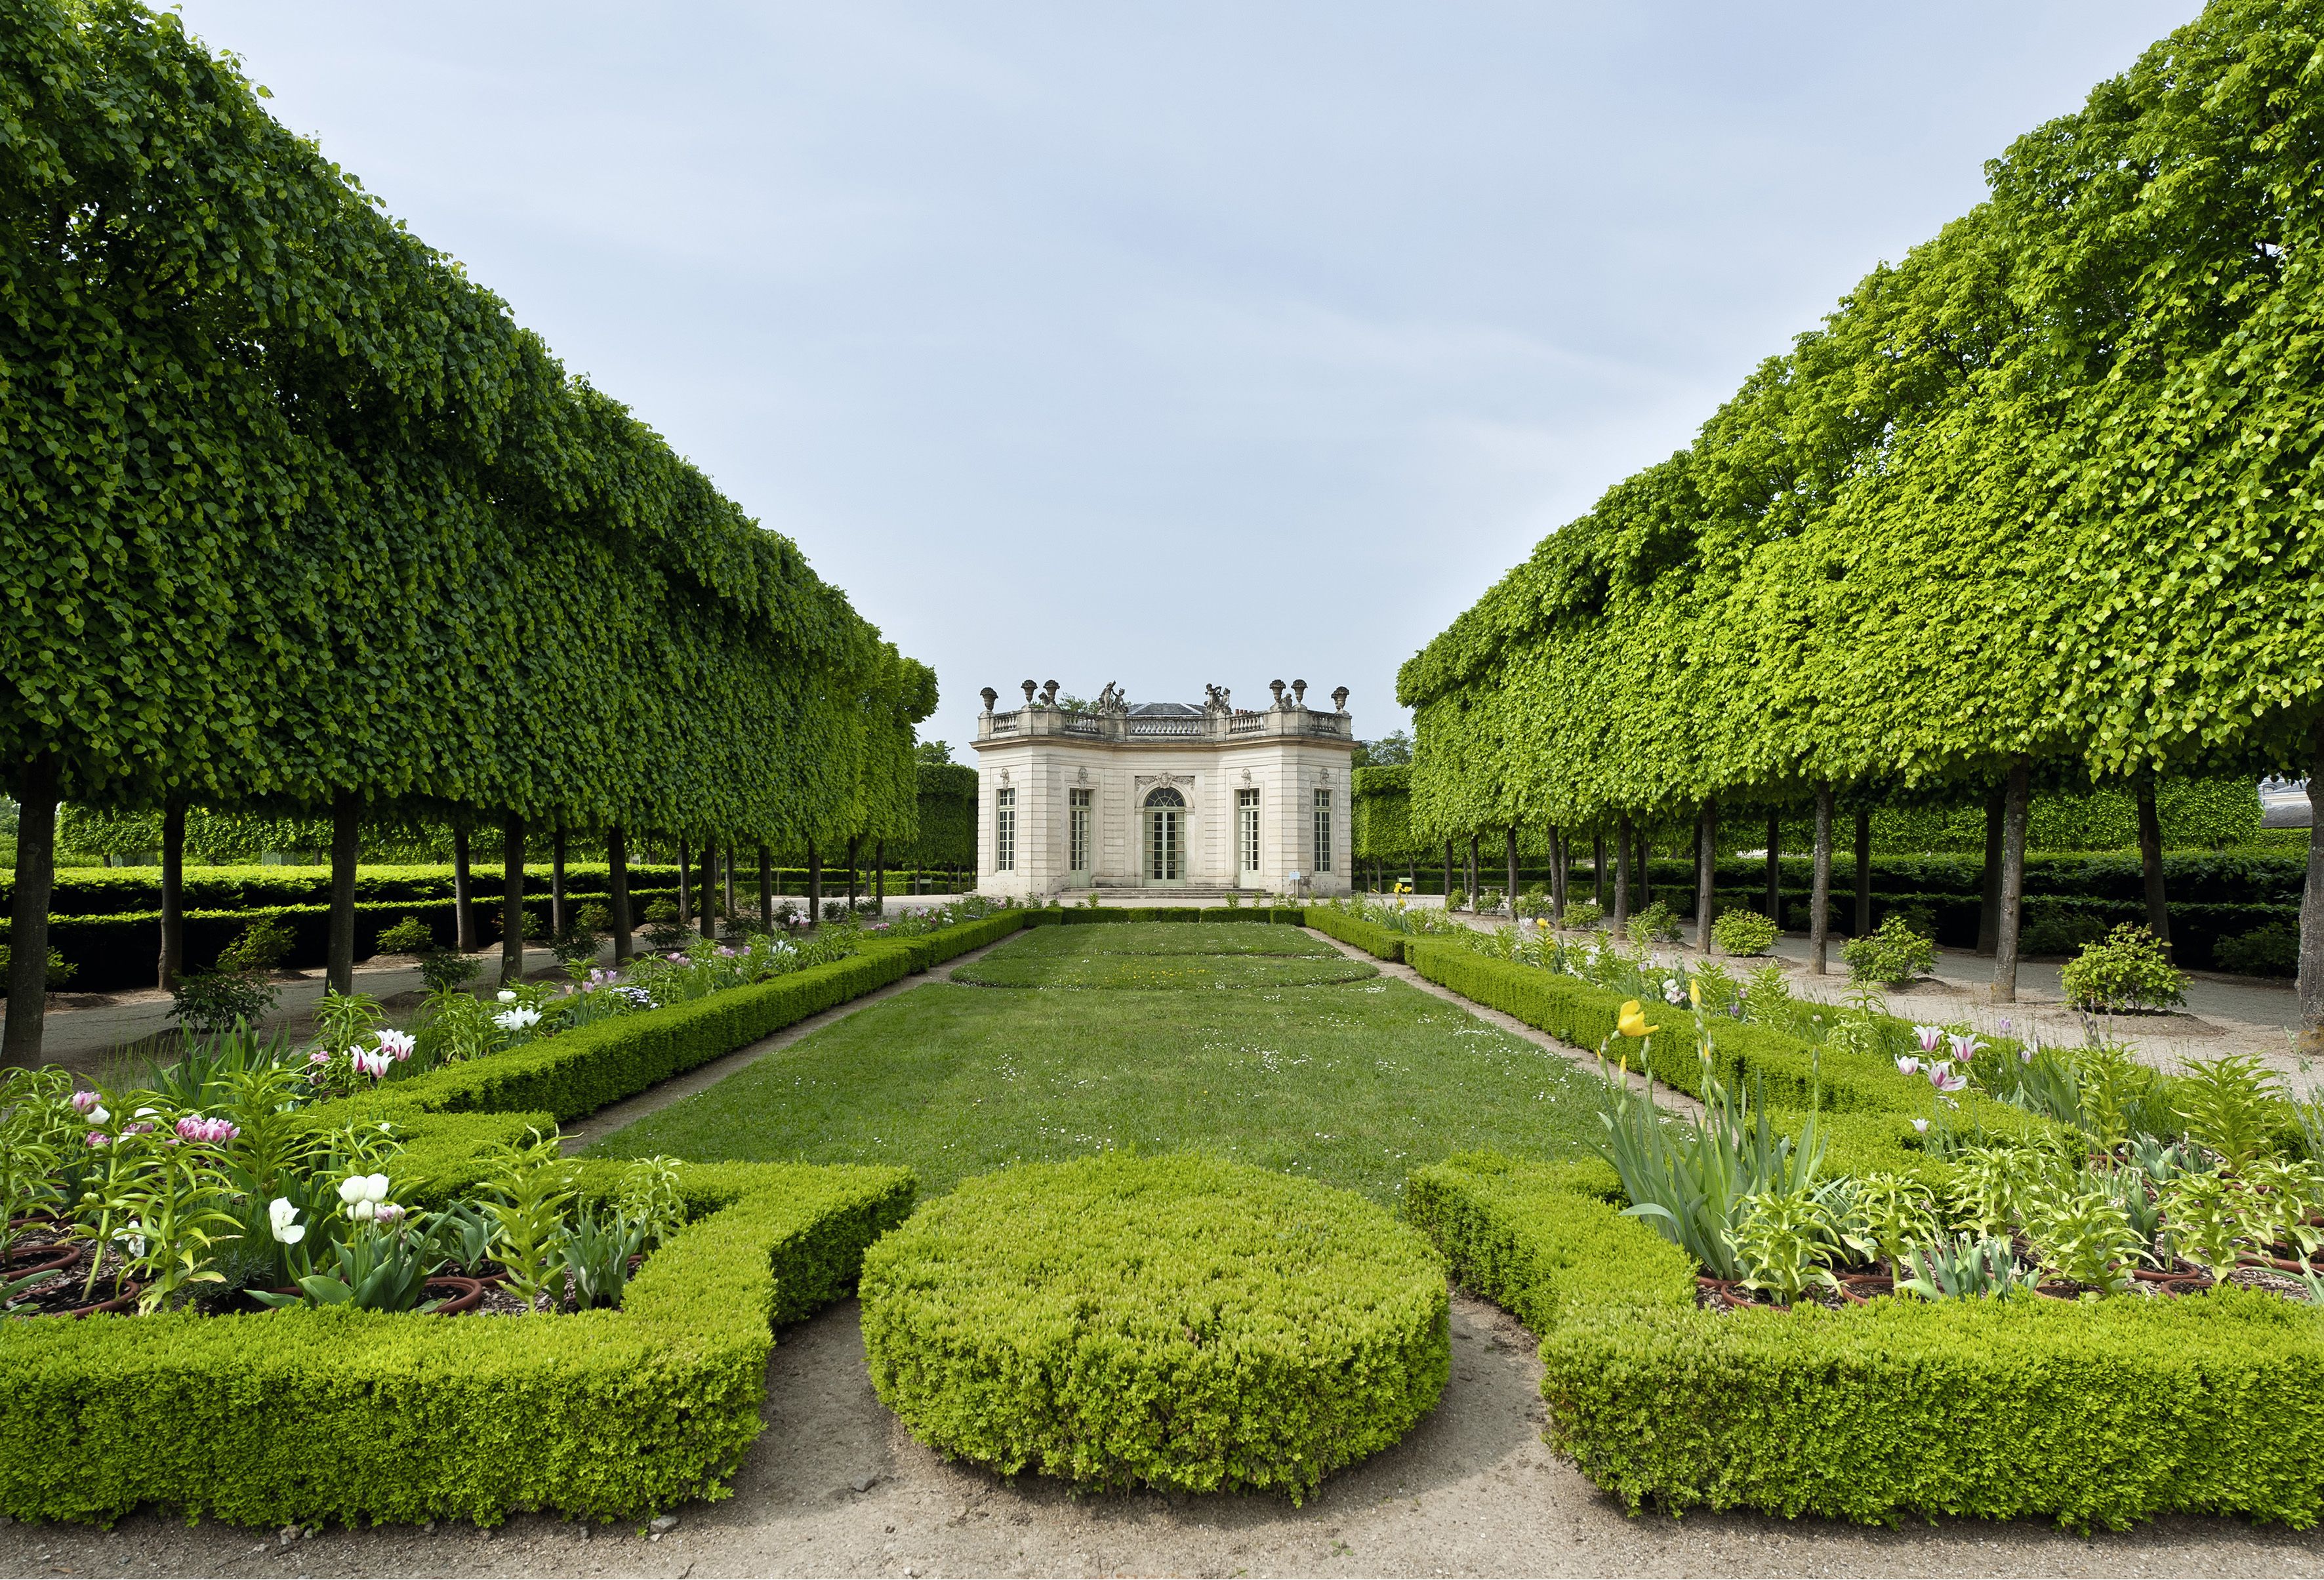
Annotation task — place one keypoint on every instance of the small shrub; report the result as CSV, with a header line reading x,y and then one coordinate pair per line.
x,y
527,924
2127,971
1658,924
835,909
1534,902
407,937
444,969
1892,956
594,918
662,911
1489,901
60,970
2271,951
1584,915
1742,933
260,949
1456,900
207,1003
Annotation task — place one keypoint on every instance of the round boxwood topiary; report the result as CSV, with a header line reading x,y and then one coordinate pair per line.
x,y
1179,1322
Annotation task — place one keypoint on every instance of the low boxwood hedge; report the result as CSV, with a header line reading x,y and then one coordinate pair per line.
x,y
2096,1412
1374,940
302,1415
1181,1322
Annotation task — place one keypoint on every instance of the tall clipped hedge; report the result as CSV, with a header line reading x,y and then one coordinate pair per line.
x,y
295,515
2036,500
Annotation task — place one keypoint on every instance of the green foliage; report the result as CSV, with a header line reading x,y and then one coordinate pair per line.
x,y
1892,954
329,1398
2229,1103
324,392
210,1003
1995,1408
2273,950
2128,971
260,949
60,970
1080,1319
2015,497
1655,923
409,936
1742,933
1583,915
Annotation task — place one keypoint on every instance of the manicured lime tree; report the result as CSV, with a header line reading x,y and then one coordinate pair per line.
x,y
2034,503
299,521
946,838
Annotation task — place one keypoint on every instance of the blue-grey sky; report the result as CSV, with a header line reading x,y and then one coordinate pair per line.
x,y
1169,345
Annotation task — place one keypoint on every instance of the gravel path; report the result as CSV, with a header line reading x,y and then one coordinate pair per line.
x,y
836,1487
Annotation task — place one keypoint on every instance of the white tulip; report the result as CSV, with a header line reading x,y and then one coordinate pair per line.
x,y
507,996
279,1215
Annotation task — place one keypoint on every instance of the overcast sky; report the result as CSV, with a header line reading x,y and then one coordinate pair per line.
x,y
1182,344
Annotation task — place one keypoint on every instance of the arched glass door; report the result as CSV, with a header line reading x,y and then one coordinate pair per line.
x,y
1166,811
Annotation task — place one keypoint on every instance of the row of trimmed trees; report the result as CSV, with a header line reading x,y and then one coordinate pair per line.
x,y
299,522
2036,504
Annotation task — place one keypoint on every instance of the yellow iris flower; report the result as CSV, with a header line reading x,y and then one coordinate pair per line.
x,y
1632,1021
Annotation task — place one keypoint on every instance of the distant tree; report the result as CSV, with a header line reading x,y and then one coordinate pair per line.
x,y
1388,750
932,753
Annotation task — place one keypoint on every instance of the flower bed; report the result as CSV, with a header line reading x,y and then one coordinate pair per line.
x,y
1180,1322
2096,1412
1983,1178
324,1410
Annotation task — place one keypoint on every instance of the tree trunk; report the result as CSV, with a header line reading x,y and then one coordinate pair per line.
x,y
1598,867
464,909
854,888
617,885
684,887
2311,910
726,868
1863,872
512,900
1556,877
1988,907
1448,872
813,886
1622,874
1470,875
339,954
2017,799
879,874
1512,890
174,894
1706,873
709,888
28,914
2150,859
1775,869
766,888
557,881
1819,888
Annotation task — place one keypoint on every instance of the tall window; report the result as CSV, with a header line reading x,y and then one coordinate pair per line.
x,y
1077,830
1323,830
1247,832
1004,829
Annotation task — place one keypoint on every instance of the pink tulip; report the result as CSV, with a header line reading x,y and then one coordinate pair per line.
x,y
100,1138
83,1102
1908,1066
397,1045
1921,1125
371,1062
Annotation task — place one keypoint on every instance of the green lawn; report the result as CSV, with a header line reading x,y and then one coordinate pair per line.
x,y
1353,1084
